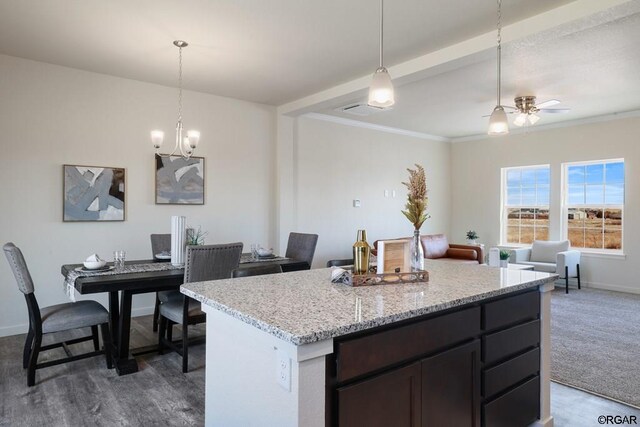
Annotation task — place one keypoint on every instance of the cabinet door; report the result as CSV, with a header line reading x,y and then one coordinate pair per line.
x,y
390,399
451,388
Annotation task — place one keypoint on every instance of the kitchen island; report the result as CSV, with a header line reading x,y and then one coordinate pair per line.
x,y
470,347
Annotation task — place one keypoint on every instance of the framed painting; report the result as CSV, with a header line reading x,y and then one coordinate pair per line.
x,y
179,181
93,193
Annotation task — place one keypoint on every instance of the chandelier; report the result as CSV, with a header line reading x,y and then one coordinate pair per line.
x,y
185,145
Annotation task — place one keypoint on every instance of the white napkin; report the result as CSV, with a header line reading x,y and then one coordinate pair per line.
x,y
93,258
340,275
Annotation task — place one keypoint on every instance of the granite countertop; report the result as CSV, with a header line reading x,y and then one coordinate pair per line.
x,y
304,306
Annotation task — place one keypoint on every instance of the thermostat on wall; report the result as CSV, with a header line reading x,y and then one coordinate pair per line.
x,y
356,203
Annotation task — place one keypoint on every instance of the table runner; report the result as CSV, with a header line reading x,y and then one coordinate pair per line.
x,y
248,258
70,280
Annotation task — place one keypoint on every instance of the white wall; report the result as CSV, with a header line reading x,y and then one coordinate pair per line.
x,y
335,164
476,186
51,115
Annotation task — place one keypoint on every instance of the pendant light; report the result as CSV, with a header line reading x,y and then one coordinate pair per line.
x,y
186,145
381,90
498,124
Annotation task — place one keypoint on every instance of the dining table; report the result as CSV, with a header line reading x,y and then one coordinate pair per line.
x,y
121,287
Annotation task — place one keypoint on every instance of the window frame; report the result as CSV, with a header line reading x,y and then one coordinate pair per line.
x,y
565,205
503,206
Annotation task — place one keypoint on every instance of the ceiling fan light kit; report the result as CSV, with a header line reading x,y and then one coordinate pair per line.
x,y
381,93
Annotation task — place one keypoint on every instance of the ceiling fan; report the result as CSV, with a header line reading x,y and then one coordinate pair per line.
x,y
527,110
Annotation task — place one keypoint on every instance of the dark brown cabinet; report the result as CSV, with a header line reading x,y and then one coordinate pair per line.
x,y
441,390
474,366
391,399
451,387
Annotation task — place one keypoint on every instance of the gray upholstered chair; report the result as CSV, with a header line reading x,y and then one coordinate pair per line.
x,y
257,270
551,257
161,243
205,262
56,318
302,247
339,262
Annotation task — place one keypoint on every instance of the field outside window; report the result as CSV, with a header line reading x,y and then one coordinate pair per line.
x,y
594,200
525,210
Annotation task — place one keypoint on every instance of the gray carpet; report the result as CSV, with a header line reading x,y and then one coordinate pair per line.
x,y
595,342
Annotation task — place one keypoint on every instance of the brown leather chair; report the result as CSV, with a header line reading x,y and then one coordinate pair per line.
x,y
436,246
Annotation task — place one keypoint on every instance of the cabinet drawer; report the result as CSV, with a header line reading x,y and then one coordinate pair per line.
x,y
518,408
512,310
501,345
511,372
370,353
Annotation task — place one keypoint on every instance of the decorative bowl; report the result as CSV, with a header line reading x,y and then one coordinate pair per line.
x,y
265,252
93,265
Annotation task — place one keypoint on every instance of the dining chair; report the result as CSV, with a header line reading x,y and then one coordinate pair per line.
x,y
204,262
56,318
161,243
257,271
339,262
302,247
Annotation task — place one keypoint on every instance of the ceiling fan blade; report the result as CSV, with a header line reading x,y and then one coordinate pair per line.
x,y
554,110
548,103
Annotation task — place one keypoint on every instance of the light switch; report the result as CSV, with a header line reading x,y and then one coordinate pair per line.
x,y
356,203
393,194
386,193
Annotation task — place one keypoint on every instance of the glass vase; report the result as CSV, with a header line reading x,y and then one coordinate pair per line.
x,y
417,252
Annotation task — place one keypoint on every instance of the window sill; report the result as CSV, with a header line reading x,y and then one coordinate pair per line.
x,y
604,255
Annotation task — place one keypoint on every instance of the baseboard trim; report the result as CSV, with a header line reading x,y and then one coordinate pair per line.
x,y
609,287
7,331
595,393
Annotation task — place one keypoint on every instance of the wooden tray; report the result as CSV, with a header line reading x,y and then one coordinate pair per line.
x,y
395,278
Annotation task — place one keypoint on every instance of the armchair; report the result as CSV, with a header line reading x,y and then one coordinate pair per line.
x,y
550,257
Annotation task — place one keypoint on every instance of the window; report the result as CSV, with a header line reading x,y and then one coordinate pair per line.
x,y
594,204
525,204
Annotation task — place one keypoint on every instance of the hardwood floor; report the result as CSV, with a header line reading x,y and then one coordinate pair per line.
x,y
85,393
571,407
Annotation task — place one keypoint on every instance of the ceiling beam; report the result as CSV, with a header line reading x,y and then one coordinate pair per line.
x,y
450,57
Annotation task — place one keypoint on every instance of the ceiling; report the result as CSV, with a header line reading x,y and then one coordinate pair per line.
x,y
278,51
271,51
592,65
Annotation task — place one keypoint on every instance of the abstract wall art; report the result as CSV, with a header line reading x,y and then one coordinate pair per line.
x,y
179,181
93,193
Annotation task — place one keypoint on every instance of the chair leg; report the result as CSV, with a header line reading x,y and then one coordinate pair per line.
x,y
108,345
156,314
170,330
27,348
578,267
96,338
33,360
162,330
566,279
185,347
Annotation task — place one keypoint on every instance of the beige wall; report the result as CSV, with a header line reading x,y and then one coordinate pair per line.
x,y
52,115
476,186
335,164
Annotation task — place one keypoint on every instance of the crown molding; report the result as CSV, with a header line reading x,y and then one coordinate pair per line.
x,y
558,125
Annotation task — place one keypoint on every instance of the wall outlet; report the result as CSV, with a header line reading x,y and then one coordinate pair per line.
x,y
283,369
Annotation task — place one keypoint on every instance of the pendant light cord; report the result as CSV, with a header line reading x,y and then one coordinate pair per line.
x,y
381,31
499,39
179,84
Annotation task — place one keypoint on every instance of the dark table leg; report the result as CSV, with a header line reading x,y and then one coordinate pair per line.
x,y
114,316
124,364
